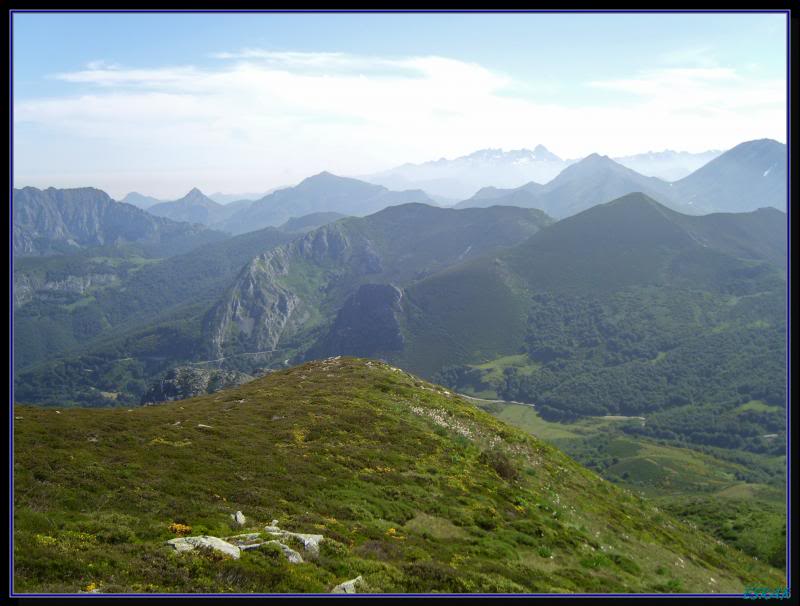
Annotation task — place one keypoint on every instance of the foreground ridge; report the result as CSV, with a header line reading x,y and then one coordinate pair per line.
x,y
387,482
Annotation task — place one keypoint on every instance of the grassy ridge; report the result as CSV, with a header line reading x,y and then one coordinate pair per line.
x,y
741,502
414,489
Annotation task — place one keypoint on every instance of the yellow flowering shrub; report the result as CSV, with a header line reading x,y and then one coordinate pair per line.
x,y
180,528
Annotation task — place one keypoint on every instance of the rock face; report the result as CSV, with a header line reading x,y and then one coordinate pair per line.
x,y
286,299
266,306
348,586
367,324
205,542
28,287
54,221
257,310
187,382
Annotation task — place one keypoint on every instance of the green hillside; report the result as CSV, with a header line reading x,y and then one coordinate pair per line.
x,y
738,497
147,316
412,488
628,308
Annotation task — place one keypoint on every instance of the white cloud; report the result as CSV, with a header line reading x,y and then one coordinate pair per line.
x,y
262,118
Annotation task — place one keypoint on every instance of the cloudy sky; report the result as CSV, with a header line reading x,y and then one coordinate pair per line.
x,y
160,103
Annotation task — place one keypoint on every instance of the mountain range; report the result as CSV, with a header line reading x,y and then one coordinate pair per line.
x,y
57,221
593,180
461,177
320,193
667,165
345,289
140,200
110,309
590,301
650,339
196,207
747,177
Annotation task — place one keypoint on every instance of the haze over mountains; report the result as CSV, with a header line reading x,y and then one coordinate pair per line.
x,y
196,207
140,200
591,181
461,177
320,193
750,176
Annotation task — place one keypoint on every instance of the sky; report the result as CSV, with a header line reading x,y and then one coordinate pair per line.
x,y
244,102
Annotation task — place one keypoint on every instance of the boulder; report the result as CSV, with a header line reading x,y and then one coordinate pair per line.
x,y
291,554
205,542
238,519
310,541
348,586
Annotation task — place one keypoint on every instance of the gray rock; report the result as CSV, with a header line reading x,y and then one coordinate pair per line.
x,y
291,554
310,541
184,382
348,586
205,542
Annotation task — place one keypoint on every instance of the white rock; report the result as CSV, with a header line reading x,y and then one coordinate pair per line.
x,y
206,426
310,541
348,586
205,542
291,554
238,518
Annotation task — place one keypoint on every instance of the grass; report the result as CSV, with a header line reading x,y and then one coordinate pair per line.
x,y
757,406
414,489
702,488
494,368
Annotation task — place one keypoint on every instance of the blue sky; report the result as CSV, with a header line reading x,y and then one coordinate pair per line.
x,y
159,103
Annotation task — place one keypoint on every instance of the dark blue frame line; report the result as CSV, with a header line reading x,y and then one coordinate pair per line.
x,y
787,12
10,306
788,303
